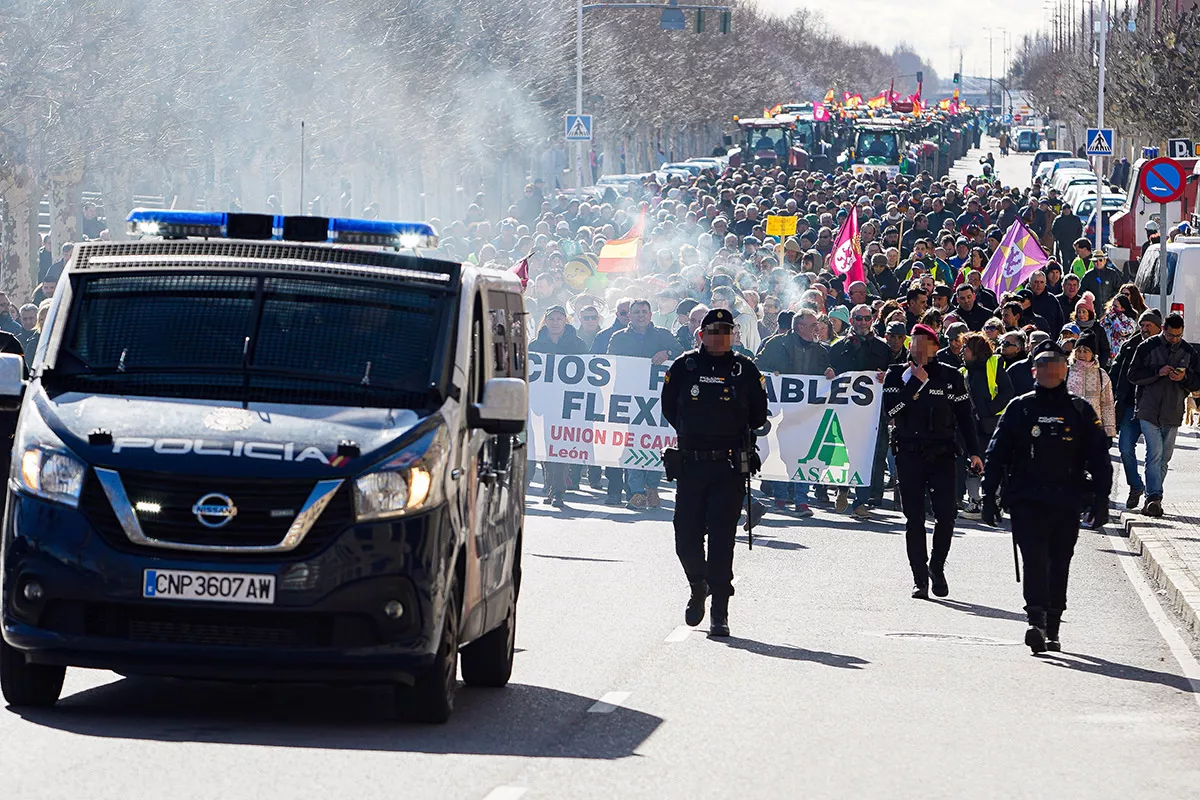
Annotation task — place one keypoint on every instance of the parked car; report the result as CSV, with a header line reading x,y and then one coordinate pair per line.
x,y
1046,156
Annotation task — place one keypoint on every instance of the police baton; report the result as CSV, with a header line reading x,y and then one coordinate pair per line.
x,y
1016,558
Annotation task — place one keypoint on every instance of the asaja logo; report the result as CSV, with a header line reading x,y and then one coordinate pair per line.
x,y
828,460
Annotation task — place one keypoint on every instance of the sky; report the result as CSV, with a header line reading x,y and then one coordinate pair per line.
x,y
936,28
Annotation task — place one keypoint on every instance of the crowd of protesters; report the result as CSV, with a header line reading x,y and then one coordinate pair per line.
x,y
925,243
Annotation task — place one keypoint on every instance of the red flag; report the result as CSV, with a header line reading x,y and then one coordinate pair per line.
x,y
521,270
846,257
821,113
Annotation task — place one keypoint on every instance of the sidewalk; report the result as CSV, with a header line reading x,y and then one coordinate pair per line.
x,y
1170,546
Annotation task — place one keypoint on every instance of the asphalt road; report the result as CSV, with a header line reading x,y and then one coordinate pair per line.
x,y
834,684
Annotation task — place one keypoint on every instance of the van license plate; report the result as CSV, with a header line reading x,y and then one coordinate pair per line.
x,y
221,587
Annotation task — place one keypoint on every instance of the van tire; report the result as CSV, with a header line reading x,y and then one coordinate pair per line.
x,y
28,685
488,661
430,699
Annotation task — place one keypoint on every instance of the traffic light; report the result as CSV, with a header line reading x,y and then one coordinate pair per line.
x,y
726,21
699,20
920,76
958,77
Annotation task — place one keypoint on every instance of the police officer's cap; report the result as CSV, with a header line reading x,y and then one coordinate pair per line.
x,y
1048,351
717,316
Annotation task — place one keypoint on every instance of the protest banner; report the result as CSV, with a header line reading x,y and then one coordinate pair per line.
x,y
607,411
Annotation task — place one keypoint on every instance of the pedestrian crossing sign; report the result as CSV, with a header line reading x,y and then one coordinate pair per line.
x,y
1099,141
579,127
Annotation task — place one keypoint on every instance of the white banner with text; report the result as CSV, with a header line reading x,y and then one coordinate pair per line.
x,y
607,411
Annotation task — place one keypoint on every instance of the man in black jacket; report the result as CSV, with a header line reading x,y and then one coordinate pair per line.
x,y
968,310
1129,430
1047,471
1045,445
711,397
1165,370
1066,230
930,408
863,351
1044,303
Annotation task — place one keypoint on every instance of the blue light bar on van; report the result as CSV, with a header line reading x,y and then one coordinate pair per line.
x,y
405,235
170,224
176,224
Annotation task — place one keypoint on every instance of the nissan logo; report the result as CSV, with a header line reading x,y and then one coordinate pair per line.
x,y
214,510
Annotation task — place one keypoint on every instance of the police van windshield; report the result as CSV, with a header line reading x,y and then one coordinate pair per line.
x,y
253,338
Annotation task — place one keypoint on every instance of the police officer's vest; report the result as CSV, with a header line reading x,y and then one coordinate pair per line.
x,y
993,367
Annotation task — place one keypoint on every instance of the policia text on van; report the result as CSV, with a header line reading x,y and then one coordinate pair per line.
x,y
268,448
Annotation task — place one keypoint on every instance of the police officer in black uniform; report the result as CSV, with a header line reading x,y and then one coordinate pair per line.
x,y
713,397
930,408
1051,448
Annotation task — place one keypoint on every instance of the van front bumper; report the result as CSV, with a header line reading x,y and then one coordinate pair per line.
x,y
327,622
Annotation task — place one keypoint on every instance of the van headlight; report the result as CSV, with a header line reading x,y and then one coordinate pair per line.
x,y
52,475
407,482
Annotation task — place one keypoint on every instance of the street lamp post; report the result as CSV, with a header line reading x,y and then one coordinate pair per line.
x,y
1099,212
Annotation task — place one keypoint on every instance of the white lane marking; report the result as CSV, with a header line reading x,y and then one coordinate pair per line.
x,y
680,634
1179,648
506,793
609,703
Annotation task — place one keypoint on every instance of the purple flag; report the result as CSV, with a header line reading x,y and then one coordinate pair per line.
x,y
1018,256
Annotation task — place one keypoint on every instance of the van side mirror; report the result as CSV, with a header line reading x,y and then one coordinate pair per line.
x,y
12,381
504,409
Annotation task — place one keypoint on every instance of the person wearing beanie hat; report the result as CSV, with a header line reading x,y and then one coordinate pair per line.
x,y
930,409
841,314
1050,450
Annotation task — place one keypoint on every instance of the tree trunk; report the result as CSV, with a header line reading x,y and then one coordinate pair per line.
x,y
65,190
18,271
116,187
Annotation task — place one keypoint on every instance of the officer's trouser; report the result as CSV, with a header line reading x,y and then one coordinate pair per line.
x,y
709,500
1046,535
918,471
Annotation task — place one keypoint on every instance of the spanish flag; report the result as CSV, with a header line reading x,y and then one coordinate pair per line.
x,y
829,97
621,255
878,101
853,100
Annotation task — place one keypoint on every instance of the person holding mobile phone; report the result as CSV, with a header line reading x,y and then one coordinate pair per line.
x,y
1165,370
930,407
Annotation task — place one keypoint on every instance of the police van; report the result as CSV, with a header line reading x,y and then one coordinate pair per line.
x,y
256,447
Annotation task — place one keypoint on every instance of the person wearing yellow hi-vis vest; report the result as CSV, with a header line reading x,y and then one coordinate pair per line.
x,y
991,390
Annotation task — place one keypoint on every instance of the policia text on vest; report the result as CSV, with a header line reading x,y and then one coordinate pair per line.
x,y
606,410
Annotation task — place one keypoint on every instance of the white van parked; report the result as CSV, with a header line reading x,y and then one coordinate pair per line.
x,y
1183,281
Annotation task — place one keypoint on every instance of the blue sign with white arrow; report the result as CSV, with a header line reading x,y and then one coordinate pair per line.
x,y
1162,180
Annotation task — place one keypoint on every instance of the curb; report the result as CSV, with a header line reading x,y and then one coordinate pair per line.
x,y
1177,587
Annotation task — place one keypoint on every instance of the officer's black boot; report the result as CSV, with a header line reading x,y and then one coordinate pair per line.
x,y
1053,620
694,614
937,577
718,625
1035,636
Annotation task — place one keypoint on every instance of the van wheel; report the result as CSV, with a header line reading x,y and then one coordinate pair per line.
x,y
431,698
488,661
28,685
